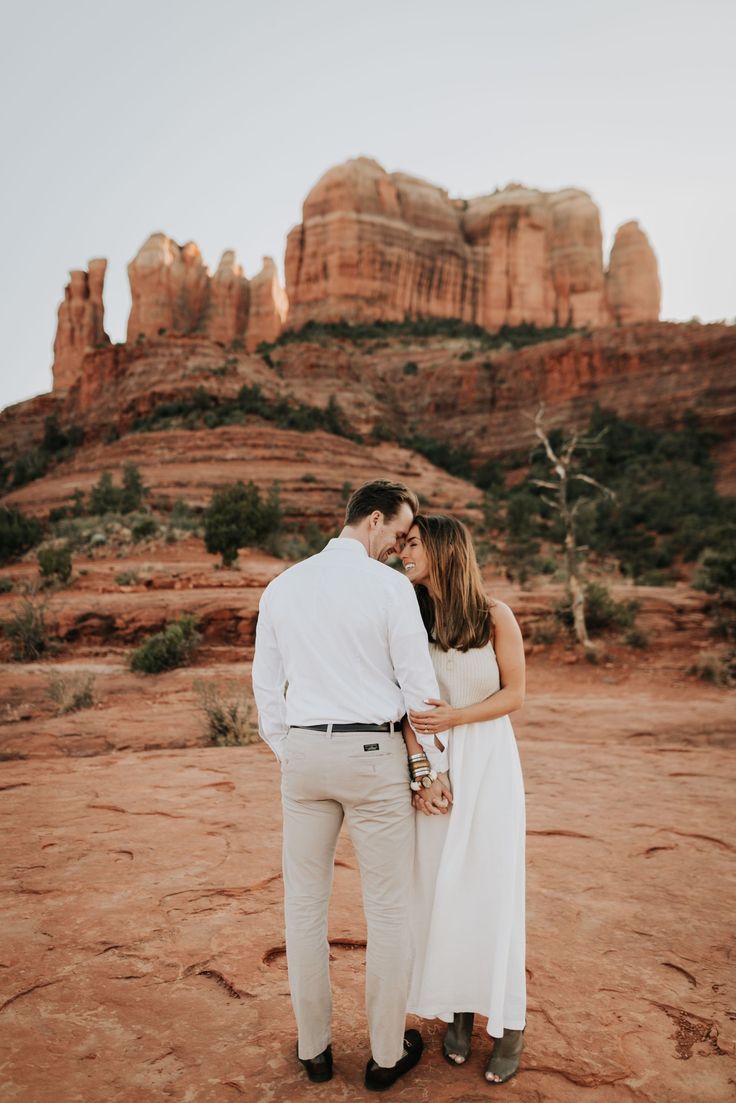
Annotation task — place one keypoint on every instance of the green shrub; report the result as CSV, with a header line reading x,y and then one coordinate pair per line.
x,y
237,517
143,528
228,718
547,631
71,692
18,533
507,336
126,578
105,497
410,368
55,562
467,355
29,466
6,585
719,668
167,649
635,637
27,631
184,516
456,461
210,410
133,490
601,610
298,545
308,477
57,444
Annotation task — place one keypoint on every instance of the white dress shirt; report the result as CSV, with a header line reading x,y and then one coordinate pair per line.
x,y
340,638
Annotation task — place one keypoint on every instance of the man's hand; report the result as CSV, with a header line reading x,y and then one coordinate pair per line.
x,y
436,800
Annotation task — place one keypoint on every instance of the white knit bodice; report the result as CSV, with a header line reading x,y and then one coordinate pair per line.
x,y
465,677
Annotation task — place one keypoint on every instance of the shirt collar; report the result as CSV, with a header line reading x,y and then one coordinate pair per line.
x,y
343,543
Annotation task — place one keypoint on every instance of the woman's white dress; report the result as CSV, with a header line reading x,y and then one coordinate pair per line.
x,y
468,891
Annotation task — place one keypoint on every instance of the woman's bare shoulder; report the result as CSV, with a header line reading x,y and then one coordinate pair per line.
x,y
503,616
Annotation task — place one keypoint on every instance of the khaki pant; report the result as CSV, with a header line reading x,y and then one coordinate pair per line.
x,y
361,777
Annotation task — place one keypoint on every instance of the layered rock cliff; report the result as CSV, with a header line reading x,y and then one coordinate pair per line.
x,y
374,245
80,326
379,246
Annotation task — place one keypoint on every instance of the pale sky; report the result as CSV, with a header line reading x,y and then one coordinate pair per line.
x,y
211,120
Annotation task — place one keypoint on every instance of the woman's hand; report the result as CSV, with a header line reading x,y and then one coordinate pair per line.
x,y
438,719
436,800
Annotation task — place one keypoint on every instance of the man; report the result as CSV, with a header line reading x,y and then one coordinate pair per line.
x,y
343,632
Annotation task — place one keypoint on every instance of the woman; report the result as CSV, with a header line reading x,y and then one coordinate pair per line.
x,y
469,871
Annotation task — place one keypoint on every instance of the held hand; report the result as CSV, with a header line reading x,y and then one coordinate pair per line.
x,y
438,719
436,800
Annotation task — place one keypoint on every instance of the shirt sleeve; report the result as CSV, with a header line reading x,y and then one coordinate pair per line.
x,y
413,666
269,681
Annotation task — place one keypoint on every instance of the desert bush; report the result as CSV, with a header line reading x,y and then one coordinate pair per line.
x,y
184,516
237,517
308,477
6,585
507,336
637,638
26,629
144,527
298,545
55,562
126,578
167,649
602,611
456,461
57,444
546,631
105,497
71,692
18,533
210,410
718,668
410,368
227,714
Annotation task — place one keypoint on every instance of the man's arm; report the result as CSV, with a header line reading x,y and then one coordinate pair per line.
x,y
269,680
413,667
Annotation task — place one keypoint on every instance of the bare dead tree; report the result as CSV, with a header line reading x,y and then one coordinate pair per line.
x,y
564,473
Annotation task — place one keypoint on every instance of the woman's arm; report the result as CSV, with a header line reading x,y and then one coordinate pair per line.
x,y
509,648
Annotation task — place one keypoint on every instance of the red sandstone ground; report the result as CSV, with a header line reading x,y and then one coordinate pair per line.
x,y
143,946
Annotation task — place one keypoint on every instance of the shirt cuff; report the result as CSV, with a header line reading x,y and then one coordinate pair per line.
x,y
438,760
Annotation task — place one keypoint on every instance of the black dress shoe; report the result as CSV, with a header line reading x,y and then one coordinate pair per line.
x,y
319,1068
378,1079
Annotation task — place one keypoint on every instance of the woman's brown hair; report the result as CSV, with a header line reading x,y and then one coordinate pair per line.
x,y
461,616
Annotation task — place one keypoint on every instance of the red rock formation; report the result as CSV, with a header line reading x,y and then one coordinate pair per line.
x,y
80,327
374,245
227,316
170,289
632,280
268,306
174,296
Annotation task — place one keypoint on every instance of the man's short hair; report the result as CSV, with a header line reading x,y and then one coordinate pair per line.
x,y
382,495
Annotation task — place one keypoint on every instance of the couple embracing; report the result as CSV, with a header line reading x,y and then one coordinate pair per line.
x,y
385,696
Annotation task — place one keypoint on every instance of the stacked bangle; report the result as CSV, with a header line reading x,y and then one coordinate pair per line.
x,y
422,775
